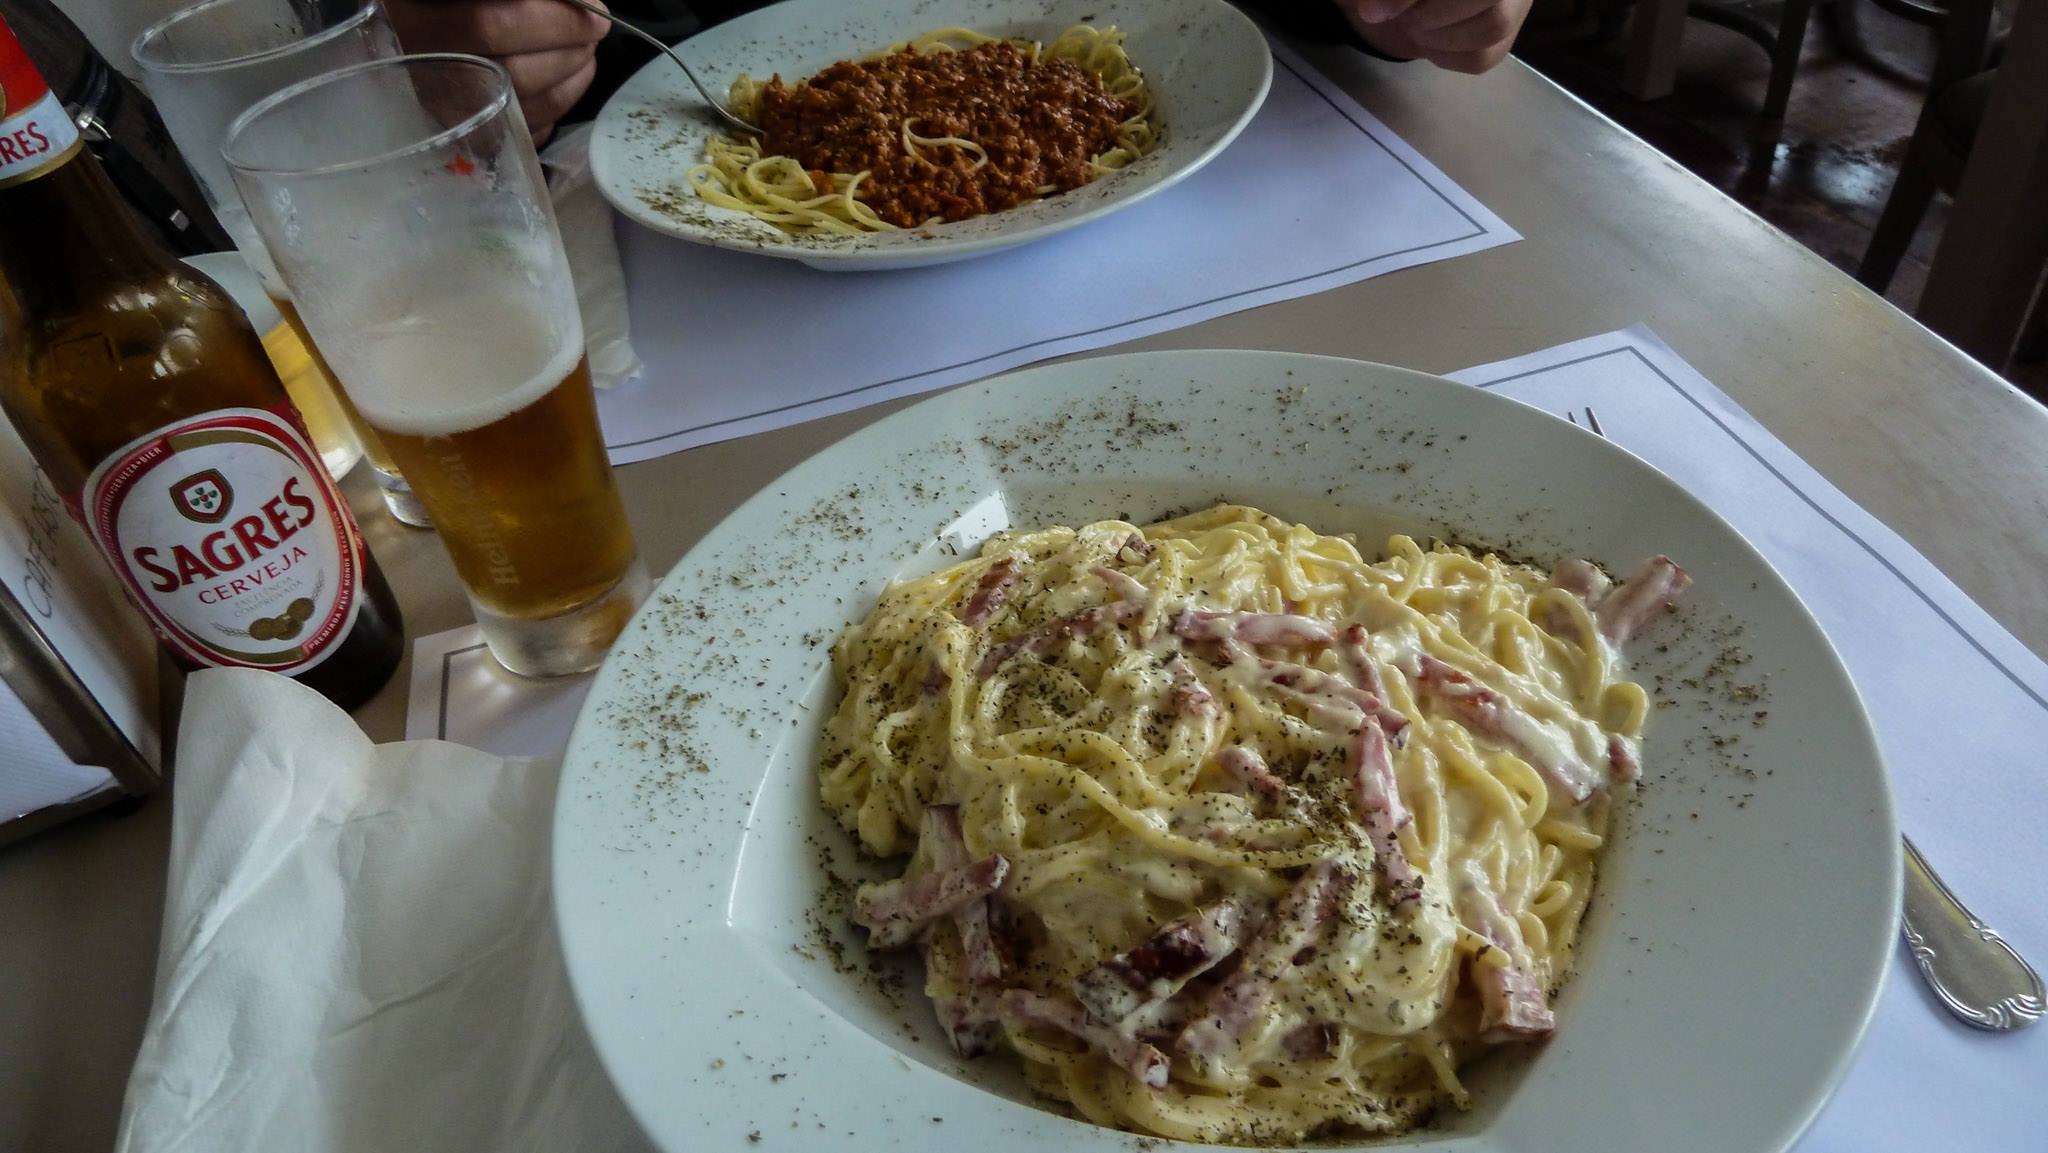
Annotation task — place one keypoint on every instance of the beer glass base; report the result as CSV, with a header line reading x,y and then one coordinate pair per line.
x,y
399,499
567,643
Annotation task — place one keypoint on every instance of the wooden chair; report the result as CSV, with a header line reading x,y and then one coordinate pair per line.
x,y
1650,68
1982,137
1957,91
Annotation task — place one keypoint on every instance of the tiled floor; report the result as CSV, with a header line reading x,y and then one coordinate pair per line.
x,y
1823,174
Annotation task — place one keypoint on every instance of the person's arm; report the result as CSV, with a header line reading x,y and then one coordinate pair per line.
x,y
1461,35
548,47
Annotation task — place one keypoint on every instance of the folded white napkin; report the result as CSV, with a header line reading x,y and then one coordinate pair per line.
x,y
358,948
585,220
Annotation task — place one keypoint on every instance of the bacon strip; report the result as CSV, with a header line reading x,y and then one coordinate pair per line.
x,y
1621,759
1512,1002
895,912
949,851
1297,921
1320,687
1130,983
1123,584
1282,630
1047,638
1655,585
1487,712
1365,673
1363,691
1334,701
1191,698
990,592
972,1022
1250,771
1582,579
1144,1063
1378,796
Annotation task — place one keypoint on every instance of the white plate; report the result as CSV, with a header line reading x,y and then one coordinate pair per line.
x,y
1207,64
1742,922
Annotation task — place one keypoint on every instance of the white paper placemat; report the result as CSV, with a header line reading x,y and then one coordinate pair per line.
x,y
1314,194
1960,707
460,694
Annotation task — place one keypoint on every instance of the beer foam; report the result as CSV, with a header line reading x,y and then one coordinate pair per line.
x,y
474,360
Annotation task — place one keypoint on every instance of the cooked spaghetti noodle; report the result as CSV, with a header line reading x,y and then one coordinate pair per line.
x,y
1228,834
949,126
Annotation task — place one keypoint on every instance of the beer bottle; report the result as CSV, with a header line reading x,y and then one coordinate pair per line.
x,y
141,390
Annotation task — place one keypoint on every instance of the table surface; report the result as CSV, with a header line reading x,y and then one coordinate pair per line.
x,y
1926,439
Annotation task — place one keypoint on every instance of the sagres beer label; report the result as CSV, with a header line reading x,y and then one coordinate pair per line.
x,y
35,133
233,539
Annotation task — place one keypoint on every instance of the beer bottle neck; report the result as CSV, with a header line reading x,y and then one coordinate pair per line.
x,y
65,234
68,235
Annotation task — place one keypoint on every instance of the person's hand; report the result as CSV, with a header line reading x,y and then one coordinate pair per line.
x,y
1461,35
549,47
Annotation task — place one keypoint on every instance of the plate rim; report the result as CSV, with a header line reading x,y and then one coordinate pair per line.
x,y
1869,977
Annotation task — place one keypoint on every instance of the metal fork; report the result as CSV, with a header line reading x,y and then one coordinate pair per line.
x,y
1972,971
718,106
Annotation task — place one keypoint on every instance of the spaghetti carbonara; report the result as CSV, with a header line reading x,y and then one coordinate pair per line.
x,y
950,125
1228,834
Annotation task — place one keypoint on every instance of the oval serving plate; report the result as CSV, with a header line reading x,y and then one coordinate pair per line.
x,y
1743,918
1206,62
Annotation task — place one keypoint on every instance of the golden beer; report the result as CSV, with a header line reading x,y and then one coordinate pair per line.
x,y
526,503
318,400
317,380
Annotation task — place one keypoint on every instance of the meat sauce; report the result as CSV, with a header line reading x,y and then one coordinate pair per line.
x,y
1039,123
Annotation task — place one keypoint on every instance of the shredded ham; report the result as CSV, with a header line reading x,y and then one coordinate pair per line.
x,y
1047,638
1250,772
1378,798
1582,579
895,912
1279,630
1653,587
1512,1002
1490,714
972,1022
1131,983
1621,759
1297,921
977,941
1365,673
1191,698
1146,1064
990,592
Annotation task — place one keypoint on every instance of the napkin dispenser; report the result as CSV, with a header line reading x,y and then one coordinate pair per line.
x,y
81,704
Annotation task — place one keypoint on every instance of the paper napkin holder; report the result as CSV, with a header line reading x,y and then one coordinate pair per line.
x,y
78,663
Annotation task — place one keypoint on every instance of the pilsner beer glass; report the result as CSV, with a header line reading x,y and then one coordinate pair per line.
x,y
404,206
205,65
